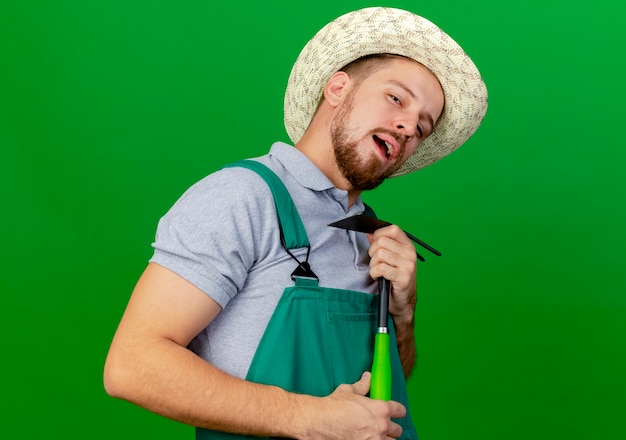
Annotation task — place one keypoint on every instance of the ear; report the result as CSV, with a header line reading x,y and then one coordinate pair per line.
x,y
336,88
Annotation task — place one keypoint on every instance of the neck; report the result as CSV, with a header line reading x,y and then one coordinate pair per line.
x,y
321,153
352,196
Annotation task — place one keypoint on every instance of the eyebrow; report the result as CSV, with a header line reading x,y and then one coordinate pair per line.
x,y
403,86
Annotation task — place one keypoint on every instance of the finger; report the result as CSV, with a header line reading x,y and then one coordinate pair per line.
x,y
387,250
362,386
393,252
395,431
397,410
394,233
395,269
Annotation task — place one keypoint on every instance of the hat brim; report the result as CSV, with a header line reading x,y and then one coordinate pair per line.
x,y
381,30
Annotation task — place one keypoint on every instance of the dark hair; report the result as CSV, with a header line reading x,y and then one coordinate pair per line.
x,y
365,66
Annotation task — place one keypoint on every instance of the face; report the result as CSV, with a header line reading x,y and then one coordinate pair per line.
x,y
382,121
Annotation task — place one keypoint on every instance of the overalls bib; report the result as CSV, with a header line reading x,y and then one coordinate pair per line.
x,y
317,338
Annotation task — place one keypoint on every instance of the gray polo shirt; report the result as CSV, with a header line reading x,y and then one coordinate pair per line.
x,y
222,235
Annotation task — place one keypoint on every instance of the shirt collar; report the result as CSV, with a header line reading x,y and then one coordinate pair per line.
x,y
306,173
300,167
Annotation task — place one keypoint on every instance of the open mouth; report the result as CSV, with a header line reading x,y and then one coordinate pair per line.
x,y
385,147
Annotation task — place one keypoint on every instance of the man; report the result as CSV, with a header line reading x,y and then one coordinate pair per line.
x,y
209,337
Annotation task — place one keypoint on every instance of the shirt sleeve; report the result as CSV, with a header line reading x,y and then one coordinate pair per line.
x,y
212,236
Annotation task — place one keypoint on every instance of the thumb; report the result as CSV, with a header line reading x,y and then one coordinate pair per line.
x,y
362,386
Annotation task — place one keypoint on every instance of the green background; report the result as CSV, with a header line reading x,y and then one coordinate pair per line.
x,y
109,110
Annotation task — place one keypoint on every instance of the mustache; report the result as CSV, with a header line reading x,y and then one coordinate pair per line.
x,y
400,138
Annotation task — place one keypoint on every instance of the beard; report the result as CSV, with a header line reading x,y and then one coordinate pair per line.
x,y
363,173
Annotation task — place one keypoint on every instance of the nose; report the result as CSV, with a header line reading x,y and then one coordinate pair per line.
x,y
408,130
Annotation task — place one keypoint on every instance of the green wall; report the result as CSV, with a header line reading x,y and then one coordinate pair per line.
x,y
110,109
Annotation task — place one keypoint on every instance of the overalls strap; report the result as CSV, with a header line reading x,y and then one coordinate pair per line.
x,y
292,232
294,235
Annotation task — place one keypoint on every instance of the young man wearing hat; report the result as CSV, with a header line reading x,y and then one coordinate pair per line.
x,y
221,332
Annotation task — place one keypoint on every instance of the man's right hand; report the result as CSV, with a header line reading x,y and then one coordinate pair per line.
x,y
348,413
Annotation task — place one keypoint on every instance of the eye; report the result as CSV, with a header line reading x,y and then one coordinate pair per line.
x,y
420,131
395,99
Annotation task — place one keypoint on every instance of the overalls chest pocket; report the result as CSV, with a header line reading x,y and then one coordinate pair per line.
x,y
317,339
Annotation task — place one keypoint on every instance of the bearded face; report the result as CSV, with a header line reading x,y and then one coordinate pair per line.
x,y
363,170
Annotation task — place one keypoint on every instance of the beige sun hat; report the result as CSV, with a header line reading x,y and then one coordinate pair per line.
x,y
381,30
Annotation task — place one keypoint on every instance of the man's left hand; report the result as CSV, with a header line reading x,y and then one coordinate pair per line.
x,y
393,257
